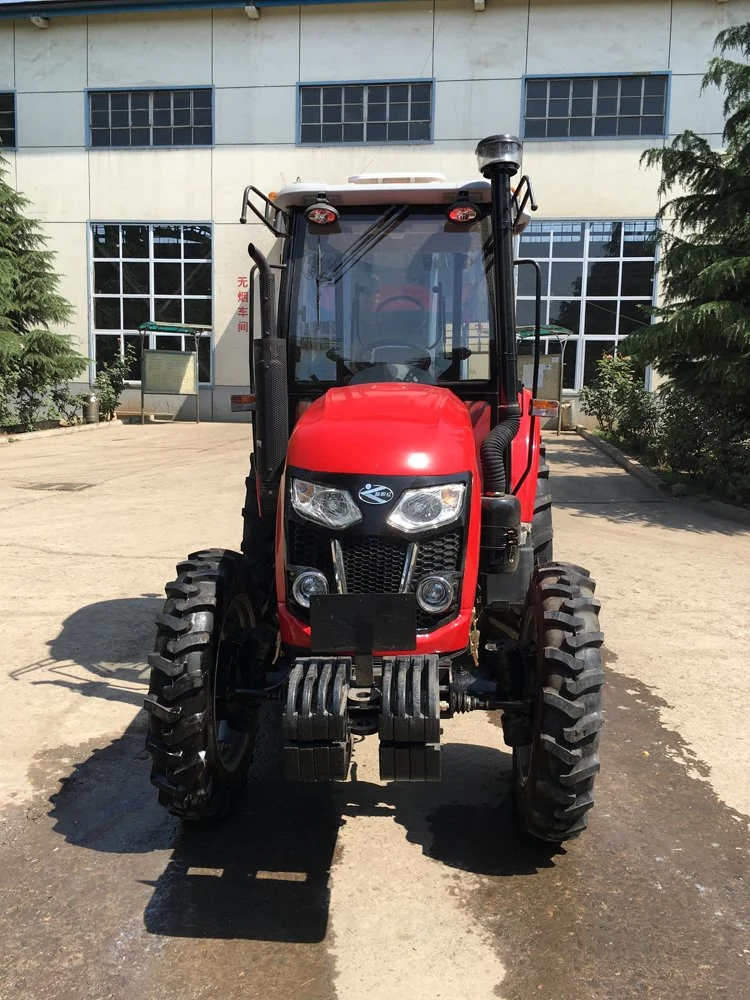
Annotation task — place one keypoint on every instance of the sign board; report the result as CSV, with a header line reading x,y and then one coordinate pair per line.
x,y
170,372
549,375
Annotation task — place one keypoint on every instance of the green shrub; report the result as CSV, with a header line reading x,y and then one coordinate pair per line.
x,y
42,364
110,383
606,396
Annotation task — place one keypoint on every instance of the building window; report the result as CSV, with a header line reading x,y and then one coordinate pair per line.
x,y
7,121
123,118
595,107
160,273
366,112
597,283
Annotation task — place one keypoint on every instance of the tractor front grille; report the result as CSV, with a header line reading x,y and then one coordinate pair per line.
x,y
374,564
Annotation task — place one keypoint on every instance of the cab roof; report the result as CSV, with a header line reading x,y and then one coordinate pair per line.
x,y
384,189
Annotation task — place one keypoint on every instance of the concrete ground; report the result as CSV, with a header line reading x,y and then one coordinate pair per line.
x,y
364,890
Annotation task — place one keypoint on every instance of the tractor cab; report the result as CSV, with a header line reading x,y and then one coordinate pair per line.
x,y
396,564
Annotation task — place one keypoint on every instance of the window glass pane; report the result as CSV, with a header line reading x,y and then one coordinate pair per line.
x,y
570,358
332,95
536,88
605,126
353,112
198,312
631,86
633,316
601,317
107,314
354,133
167,240
135,278
119,137
162,137
583,88
398,112
140,137
606,106
332,113
376,133
353,95
204,359
629,126
309,95
196,242
139,100
162,99
559,88
525,311
310,133
639,239
655,86
197,279
106,277
119,101
527,277
604,239
567,314
399,92
107,350
630,106
536,108
135,312
201,99
652,125
106,241
607,86
167,279
567,278
101,137
421,92
595,349
164,343
398,132
203,136
99,102
603,278
567,239
181,99
376,112
557,128
168,310
332,133
638,278
536,128
535,240
580,127
581,107
419,131
135,241
559,108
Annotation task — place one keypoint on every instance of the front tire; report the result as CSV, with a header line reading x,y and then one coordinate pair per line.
x,y
554,773
200,742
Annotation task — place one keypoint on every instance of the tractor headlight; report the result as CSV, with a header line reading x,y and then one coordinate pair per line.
x,y
430,507
324,504
309,583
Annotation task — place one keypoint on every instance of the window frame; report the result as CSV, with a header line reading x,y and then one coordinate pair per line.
x,y
151,259
14,95
301,85
89,91
580,337
666,74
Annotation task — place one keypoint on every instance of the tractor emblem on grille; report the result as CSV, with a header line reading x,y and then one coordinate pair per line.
x,y
375,494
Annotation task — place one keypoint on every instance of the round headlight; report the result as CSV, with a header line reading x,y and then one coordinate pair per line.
x,y
434,593
309,583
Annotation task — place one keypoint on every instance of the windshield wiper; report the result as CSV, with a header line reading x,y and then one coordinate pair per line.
x,y
370,238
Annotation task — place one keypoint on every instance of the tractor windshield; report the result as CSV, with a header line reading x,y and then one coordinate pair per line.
x,y
394,294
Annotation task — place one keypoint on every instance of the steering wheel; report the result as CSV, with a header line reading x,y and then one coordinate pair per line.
x,y
401,298
421,358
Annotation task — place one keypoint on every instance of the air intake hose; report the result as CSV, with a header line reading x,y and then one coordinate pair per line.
x,y
492,454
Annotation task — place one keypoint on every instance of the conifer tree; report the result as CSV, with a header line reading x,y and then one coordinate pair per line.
x,y
701,337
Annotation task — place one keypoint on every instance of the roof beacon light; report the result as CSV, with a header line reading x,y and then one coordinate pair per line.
x,y
462,210
499,152
321,213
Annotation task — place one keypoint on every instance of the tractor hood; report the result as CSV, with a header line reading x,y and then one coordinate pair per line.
x,y
394,429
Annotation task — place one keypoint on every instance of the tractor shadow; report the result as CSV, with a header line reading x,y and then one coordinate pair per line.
x,y
99,652
263,873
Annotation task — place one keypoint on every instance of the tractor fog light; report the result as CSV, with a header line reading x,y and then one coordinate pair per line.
x,y
429,507
434,593
308,584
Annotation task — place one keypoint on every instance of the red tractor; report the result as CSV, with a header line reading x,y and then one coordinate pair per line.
x,y
396,562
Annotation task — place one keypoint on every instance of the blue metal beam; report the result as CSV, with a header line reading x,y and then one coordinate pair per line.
x,y
70,8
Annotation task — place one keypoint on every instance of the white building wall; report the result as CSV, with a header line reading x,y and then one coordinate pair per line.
x,y
477,61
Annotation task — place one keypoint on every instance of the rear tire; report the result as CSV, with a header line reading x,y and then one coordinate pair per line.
x,y
553,775
201,744
541,526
